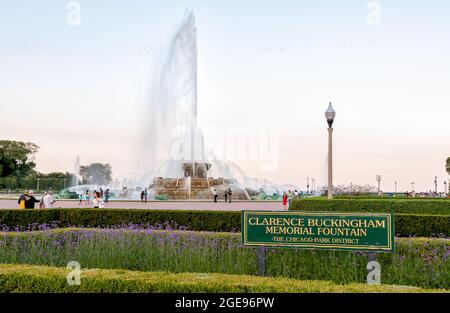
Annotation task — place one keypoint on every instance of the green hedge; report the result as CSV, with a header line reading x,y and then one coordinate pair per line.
x,y
193,220
405,224
43,279
409,206
398,197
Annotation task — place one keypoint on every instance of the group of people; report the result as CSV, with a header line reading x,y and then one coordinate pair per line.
x,y
226,194
144,195
27,200
97,198
287,198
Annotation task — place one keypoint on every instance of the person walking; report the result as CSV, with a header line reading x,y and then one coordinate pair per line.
x,y
225,194
97,201
80,196
101,192
30,200
229,195
215,195
106,195
142,196
48,200
285,198
145,195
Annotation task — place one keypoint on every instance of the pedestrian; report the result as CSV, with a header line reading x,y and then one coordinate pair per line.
x,y
97,201
87,197
41,203
285,198
21,200
215,195
80,196
106,195
142,196
225,194
30,200
289,195
229,195
145,195
101,192
48,200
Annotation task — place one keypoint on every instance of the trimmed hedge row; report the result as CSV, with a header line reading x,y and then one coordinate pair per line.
x,y
373,205
44,279
405,224
193,220
398,197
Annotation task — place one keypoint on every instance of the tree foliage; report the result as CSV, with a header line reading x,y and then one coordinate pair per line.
x,y
447,166
17,158
96,174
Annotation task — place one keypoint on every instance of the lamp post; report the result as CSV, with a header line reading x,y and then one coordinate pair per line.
x,y
307,185
378,178
330,114
435,185
445,188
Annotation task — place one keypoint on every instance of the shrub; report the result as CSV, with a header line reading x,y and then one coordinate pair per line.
x,y
25,278
217,221
194,220
409,206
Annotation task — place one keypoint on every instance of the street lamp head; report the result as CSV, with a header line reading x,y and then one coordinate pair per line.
x,y
330,114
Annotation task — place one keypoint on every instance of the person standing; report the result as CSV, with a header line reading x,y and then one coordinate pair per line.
x,y
215,195
289,196
142,196
30,200
225,194
48,200
145,195
101,192
97,201
285,198
21,201
229,195
41,203
87,197
80,196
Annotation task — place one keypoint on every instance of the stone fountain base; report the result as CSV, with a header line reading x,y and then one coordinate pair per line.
x,y
201,188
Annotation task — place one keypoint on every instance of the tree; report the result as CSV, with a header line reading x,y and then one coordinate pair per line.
x,y
447,166
17,158
96,174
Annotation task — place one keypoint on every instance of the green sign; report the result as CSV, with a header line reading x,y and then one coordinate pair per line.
x,y
319,230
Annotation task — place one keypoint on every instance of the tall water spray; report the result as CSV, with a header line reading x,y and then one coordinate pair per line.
x,y
76,172
171,126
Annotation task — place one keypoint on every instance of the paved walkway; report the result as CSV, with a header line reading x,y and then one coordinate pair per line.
x,y
166,205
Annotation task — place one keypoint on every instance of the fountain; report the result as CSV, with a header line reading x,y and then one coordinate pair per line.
x,y
179,167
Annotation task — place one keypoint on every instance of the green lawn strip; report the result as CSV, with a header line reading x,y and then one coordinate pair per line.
x,y
29,279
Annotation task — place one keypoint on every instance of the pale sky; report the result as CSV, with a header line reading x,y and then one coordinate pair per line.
x,y
82,90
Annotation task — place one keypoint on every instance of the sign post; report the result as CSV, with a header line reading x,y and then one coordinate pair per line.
x,y
261,260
